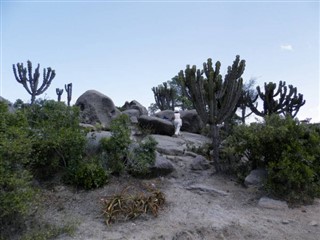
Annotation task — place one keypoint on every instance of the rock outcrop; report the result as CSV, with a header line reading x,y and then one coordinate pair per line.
x,y
97,108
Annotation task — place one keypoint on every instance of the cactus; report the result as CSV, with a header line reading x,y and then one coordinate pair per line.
x,y
69,92
59,93
278,101
164,96
30,82
214,99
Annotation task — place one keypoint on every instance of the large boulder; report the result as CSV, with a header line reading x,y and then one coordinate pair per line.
x,y
97,108
191,121
137,106
156,125
165,114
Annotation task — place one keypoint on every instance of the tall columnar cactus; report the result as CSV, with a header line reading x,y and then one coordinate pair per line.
x,y
69,92
278,100
31,82
59,93
164,96
214,99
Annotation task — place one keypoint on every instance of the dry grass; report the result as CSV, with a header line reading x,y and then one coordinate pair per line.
x,y
130,203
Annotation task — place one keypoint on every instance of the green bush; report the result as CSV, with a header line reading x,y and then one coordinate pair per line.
x,y
142,157
58,140
290,151
115,149
88,175
16,192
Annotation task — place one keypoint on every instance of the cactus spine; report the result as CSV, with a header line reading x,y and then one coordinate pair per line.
x,y
30,82
214,99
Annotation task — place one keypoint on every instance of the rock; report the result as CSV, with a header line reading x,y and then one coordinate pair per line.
x,y
200,188
269,203
161,167
96,108
133,115
93,141
191,121
256,178
313,223
156,125
199,163
169,145
165,114
137,106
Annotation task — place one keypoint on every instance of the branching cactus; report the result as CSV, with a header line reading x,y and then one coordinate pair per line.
x,y
59,93
30,80
69,92
214,99
164,96
278,100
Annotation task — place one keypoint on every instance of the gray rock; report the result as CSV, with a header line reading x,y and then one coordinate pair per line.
x,y
256,178
200,188
169,145
191,121
199,163
269,203
97,108
137,106
133,114
93,141
162,167
165,114
156,125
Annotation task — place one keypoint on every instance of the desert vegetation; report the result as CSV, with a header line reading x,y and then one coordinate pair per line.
x,y
44,140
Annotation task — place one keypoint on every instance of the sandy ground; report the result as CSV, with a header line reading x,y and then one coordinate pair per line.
x,y
230,212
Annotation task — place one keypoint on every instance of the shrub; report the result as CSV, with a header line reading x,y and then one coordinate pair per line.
x,y
88,175
142,157
288,150
58,140
115,149
16,192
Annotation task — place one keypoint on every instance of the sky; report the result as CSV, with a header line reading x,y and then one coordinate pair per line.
x,y
124,48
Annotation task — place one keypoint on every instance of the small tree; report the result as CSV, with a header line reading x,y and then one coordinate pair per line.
x,y
248,94
214,99
31,82
278,101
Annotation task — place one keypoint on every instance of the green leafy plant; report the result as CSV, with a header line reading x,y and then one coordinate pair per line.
x,y
16,192
290,151
88,174
143,157
57,139
115,149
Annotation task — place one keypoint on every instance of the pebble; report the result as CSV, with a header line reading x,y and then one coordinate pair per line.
x,y
313,223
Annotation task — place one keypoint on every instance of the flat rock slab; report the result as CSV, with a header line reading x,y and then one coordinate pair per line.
x,y
169,145
200,188
270,203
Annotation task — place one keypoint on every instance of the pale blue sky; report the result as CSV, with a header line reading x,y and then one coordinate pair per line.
x,y
124,48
